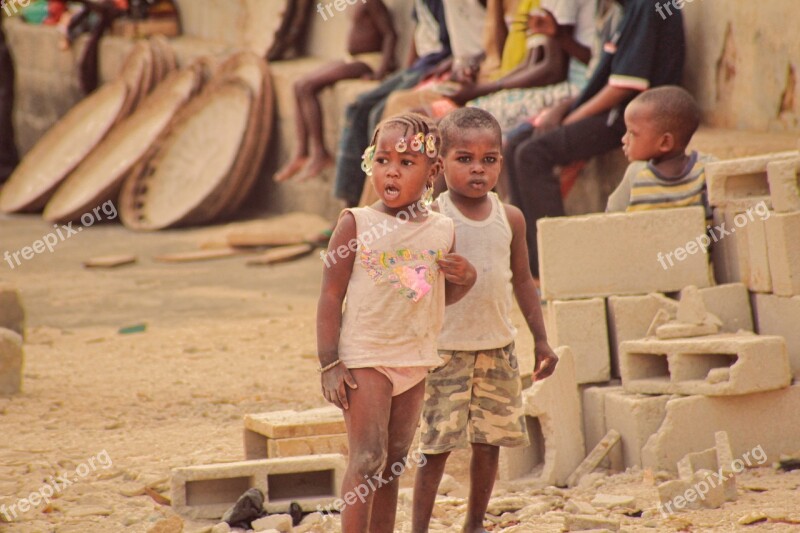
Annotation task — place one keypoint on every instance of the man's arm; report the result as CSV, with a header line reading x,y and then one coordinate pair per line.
x,y
606,99
382,19
546,24
527,296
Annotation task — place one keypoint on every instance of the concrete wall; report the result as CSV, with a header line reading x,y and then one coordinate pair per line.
x,y
743,62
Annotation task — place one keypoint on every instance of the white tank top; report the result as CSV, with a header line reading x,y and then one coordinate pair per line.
x,y
482,319
394,308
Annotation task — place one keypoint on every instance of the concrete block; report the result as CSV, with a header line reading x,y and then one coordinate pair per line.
x,y
731,303
725,251
11,362
593,404
321,444
207,491
753,261
635,417
719,365
691,307
783,245
761,427
553,411
740,183
289,424
629,318
784,185
12,314
591,265
676,330
778,315
706,479
581,325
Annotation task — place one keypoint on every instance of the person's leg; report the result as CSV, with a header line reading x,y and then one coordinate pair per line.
x,y
9,158
308,116
535,187
319,158
482,473
405,412
355,138
367,422
513,139
426,486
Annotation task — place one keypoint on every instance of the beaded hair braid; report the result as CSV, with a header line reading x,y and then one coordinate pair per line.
x,y
424,133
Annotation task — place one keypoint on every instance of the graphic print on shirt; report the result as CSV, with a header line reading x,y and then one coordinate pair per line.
x,y
411,273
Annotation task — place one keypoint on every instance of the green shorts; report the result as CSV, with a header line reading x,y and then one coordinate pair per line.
x,y
474,397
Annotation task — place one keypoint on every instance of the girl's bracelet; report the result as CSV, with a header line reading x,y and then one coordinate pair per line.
x,y
328,367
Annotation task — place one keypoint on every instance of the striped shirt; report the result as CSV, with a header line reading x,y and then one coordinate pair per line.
x,y
644,187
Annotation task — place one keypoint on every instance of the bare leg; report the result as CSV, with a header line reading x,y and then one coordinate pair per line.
x,y
406,409
319,158
426,485
482,473
367,422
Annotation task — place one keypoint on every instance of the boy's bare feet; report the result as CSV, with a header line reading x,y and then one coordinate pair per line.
x,y
314,166
290,169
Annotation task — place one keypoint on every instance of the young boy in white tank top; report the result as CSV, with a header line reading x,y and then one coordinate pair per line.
x,y
476,395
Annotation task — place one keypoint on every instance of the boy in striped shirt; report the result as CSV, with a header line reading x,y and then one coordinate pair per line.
x,y
660,124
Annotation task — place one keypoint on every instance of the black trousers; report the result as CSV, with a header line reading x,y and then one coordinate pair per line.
x,y
530,160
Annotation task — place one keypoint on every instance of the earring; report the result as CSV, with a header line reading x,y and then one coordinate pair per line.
x,y
427,196
401,145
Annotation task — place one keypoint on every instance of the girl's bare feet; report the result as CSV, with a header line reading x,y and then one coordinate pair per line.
x,y
291,168
315,165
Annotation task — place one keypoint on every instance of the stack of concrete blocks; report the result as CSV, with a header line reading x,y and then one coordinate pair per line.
x,y
290,456
294,433
12,329
759,200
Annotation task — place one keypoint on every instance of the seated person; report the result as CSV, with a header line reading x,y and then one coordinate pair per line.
x,y
541,77
644,52
370,46
430,46
660,124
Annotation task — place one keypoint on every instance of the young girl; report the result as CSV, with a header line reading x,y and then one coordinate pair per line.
x,y
395,262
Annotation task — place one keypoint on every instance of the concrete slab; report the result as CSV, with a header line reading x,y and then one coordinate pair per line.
x,y
778,315
12,314
784,185
636,417
11,362
783,245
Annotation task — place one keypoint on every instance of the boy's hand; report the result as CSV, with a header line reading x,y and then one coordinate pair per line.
x,y
457,269
546,361
333,385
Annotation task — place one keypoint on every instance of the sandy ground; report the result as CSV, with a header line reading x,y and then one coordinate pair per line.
x,y
113,413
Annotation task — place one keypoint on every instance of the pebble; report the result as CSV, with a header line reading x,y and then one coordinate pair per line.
x,y
579,507
173,524
609,501
222,527
498,506
448,485
80,512
280,522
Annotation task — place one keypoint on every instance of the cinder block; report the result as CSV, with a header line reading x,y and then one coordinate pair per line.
x,y
783,244
207,491
719,365
12,314
553,411
778,315
260,429
593,406
636,417
760,426
706,479
581,325
740,183
629,317
622,253
784,185
11,361
731,303
307,446
753,262
725,251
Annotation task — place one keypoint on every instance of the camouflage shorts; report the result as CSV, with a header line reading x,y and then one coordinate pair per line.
x,y
473,397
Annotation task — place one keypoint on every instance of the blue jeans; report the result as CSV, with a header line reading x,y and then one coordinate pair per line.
x,y
361,118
